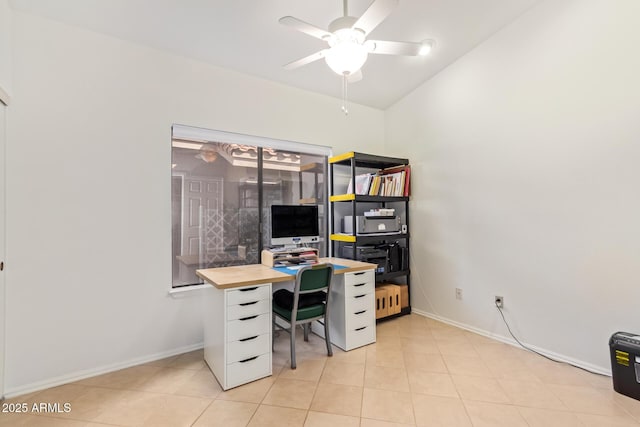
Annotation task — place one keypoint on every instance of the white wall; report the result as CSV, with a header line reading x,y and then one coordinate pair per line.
x,y
6,14
525,156
89,191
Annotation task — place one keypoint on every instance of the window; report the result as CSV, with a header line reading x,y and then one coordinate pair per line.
x,y
222,188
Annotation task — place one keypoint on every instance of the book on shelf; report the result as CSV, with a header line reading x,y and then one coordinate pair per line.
x,y
390,182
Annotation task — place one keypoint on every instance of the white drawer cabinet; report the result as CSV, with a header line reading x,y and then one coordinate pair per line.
x,y
237,334
352,317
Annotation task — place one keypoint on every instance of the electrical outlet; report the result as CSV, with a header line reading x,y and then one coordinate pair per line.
x,y
458,293
499,301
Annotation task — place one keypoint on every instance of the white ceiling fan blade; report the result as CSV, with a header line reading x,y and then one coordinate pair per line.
x,y
355,77
374,15
306,60
305,27
393,48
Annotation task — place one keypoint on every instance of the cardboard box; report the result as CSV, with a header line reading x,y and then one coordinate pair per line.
x,y
382,305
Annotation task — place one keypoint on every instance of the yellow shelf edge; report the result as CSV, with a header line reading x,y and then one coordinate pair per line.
x,y
343,237
342,197
341,157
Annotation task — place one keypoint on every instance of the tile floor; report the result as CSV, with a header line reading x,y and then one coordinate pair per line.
x,y
419,373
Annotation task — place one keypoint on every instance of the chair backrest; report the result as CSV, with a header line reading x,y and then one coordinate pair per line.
x,y
314,278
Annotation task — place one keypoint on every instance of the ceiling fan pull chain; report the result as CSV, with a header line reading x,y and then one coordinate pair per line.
x,y
344,95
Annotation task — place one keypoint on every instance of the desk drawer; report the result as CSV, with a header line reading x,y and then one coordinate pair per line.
x,y
248,309
248,327
359,288
359,277
363,335
359,302
360,318
248,294
247,348
248,370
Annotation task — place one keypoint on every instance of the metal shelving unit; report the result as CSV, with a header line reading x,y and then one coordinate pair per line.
x,y
357,162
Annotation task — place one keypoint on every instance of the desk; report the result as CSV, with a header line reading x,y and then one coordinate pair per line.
x,y
237,316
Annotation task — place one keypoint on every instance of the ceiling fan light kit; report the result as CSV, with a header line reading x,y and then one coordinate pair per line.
x,y
348,46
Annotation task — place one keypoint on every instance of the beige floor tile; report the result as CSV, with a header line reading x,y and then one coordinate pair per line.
x,y
468,366
386,378
457,347
557,373
388,328
291,393
366,422
590,420
223,413
337,399
166,380
449,333
388,342
356,356
420,346
484,414
90,404
130,408
252,392
320,419
343,373
192,360
532,394
176,411
306,370
477,339
392,358
416,332
274,416
201,384
537,417
510,368
432,384
129,378
480,389
439,411
387,405
632,406
29,420
424,362
587,400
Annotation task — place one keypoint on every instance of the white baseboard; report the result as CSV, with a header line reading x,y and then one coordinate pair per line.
x,y
80,375
511,341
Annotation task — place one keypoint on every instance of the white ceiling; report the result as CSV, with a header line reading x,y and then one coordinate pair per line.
x,y
245,36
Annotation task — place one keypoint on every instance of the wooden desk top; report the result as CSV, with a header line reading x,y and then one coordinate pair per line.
x,y
256,274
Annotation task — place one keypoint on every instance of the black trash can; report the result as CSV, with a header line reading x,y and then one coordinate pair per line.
x,y
625,363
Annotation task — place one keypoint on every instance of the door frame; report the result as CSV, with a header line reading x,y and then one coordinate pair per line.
x,y
4,104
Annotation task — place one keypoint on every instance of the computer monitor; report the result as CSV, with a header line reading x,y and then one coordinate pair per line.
x,y
294,224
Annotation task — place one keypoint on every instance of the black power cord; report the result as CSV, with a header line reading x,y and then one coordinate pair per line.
x,y
540,354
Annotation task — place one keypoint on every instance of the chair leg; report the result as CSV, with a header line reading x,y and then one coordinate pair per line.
x,y
306,328
293,346
327,338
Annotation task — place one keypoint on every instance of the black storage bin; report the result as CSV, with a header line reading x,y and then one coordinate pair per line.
x,y
625,363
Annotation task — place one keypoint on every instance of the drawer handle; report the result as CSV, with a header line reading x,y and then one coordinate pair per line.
x,y
360,296
359,329
249,359
360,284
248,339
358,274
248,289
249,318
360,312
248,303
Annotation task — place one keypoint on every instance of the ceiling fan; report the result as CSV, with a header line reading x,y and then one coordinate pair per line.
x,y
347,39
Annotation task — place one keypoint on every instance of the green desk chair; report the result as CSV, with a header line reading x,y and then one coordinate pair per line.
x,y
309,301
